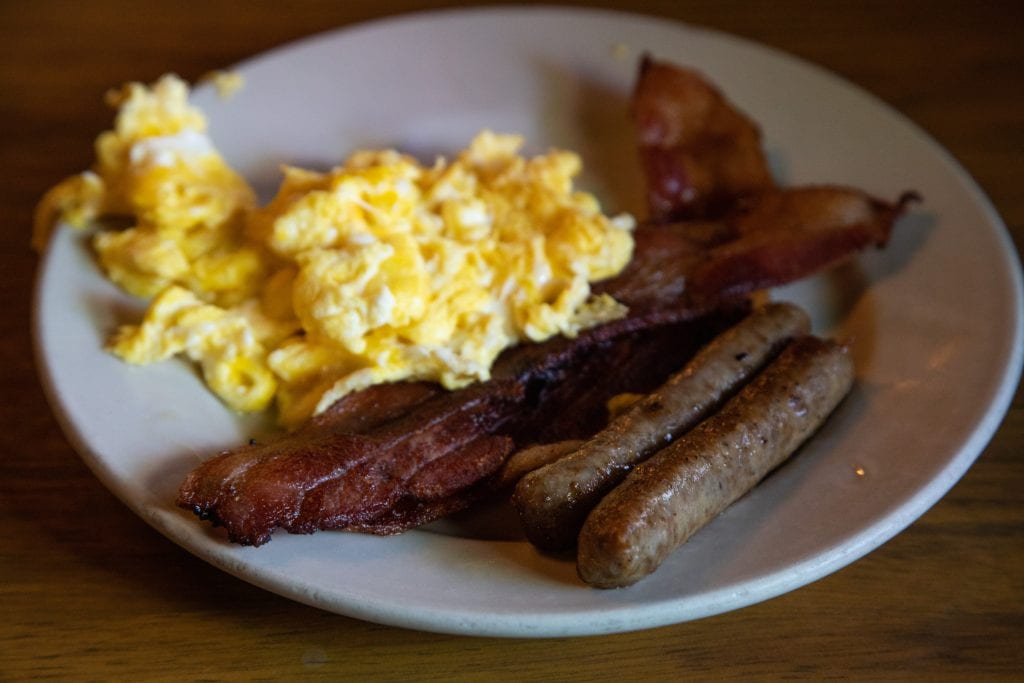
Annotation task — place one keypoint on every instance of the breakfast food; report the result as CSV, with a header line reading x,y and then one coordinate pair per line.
x,y
554,500
557,390
674,493
435,452
431,334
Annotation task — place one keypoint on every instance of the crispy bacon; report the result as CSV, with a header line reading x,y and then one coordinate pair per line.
x,y
783,235
699,153
395,456
363,410
324,478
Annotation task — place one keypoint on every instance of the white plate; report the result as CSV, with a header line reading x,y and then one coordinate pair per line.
x,y
936,317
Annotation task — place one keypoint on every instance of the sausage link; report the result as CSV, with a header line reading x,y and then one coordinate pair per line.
x,y
669,497
554,500
529,459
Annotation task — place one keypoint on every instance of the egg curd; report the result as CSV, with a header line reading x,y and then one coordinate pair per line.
x,y
379,270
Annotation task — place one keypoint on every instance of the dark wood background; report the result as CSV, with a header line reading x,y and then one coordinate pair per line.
x,y
87,590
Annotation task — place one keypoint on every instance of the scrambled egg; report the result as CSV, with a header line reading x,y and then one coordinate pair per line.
x,y
380,270
227,83
159,167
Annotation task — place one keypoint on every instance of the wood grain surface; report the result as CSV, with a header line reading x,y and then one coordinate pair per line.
x,y
88,591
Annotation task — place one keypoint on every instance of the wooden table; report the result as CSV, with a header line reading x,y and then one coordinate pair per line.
x,y
89,591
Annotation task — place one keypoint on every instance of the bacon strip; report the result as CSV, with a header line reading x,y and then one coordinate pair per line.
x,y
783,235
699,153
361,411
322,478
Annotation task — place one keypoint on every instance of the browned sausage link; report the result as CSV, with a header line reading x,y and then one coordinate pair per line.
x,y
554,500
532,458
666,499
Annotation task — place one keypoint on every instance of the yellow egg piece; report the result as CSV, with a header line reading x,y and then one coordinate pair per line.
x,y
223,342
